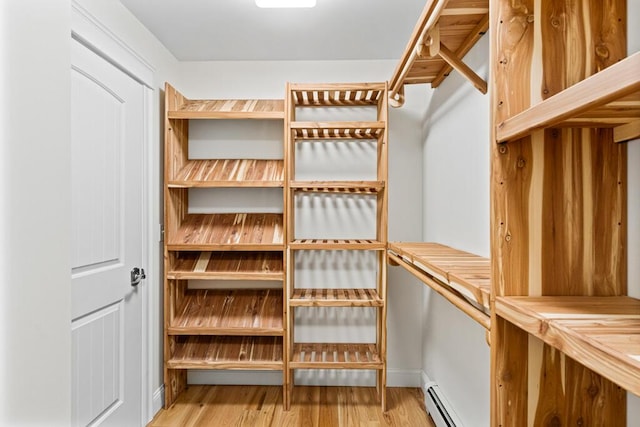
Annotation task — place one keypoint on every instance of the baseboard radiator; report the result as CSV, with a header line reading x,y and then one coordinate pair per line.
x,y
439,407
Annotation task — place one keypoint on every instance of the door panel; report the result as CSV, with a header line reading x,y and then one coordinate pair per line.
x,y
107,135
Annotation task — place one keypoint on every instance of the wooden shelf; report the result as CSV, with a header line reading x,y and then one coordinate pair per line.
x,y
609,98
337,94
464,279
602,333
335,298
229,312
207,352
227,266
349,187
229,109
230,173
337,130
446,30
335,356
229,232
337,244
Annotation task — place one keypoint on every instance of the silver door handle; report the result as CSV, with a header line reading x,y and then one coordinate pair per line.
x,y
137,274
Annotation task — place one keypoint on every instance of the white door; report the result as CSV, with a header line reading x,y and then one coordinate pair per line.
x,y
107,134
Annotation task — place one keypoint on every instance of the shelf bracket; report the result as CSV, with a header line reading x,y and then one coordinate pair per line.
x,y
627,131
462,68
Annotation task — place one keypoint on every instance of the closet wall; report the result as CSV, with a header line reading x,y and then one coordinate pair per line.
x,y
239,80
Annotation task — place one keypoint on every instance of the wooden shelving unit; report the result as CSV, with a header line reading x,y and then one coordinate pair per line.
x,y
305,355
206,327
564,335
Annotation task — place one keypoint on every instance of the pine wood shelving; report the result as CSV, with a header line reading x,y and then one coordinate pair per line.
x,y
228,312
609,98
464,279
230,173
226,266
207,327
335,298
226,352
243,231
446,30
336,356
602,333
370,356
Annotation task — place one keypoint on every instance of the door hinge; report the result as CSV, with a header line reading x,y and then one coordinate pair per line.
x,y
162,232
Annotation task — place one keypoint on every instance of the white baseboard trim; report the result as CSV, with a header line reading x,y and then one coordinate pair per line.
x,y
310,377
158,400
404,378
424,381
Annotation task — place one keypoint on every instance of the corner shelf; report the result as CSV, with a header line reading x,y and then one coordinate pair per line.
x,y
609,98
602,333
464,279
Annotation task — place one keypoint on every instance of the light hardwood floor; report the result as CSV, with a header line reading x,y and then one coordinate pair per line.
x,y
261,406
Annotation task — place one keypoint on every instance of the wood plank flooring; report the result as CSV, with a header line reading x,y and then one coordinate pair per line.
x,y
261,406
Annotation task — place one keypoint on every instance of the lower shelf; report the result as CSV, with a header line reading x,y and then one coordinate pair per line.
x,y
204,352
335,356
337,244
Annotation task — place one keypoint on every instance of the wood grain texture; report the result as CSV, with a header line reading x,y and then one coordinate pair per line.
x,y
226,266
247,231
337,130
229,173
228,312
335,356
225,352
228,109
260,406
335,298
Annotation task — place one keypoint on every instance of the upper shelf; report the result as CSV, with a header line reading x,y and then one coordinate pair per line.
x,y
336,94
345,187
229,109
464,279
609,98
602,333
444,33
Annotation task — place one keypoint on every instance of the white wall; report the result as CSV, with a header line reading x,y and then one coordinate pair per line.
x,y
35,337
246,79
456,213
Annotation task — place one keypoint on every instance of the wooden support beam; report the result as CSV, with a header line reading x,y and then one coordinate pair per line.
x,y
627,131
462,68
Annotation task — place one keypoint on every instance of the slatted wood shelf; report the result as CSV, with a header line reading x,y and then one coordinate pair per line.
x,y
229,312
337,94
335,298
446,30
227,266
215,352
602,333
609,98
335,356
337,244
350,187
229,232
230,173
337,130
464,279
229,109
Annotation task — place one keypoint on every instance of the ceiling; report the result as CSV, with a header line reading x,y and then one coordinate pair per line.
x,y
227,30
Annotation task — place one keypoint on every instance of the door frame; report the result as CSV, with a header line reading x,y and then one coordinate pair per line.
x,y
89,31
